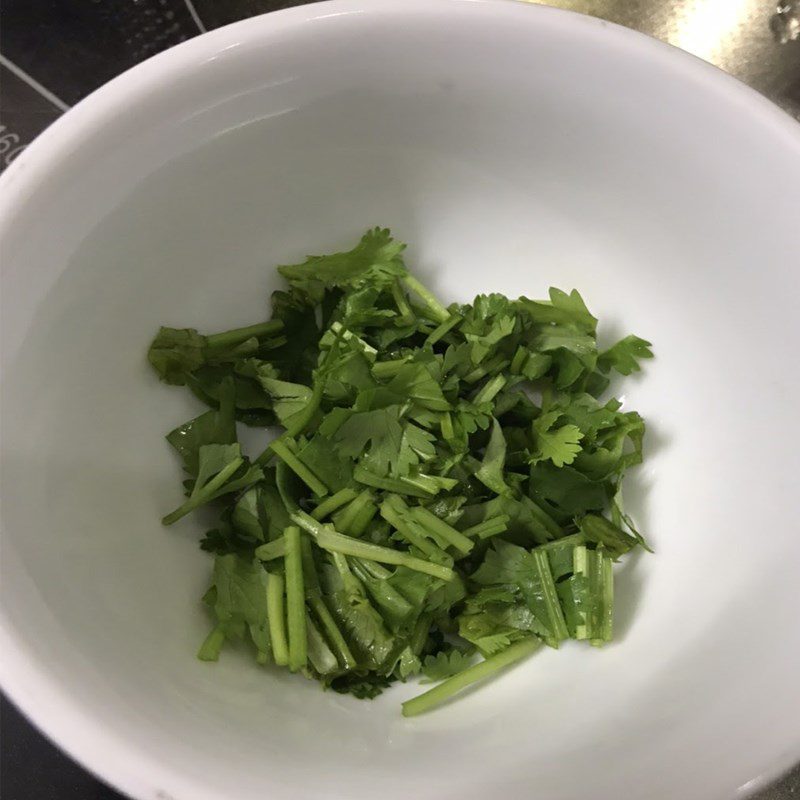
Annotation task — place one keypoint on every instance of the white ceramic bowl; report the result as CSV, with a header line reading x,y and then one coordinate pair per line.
x,y
513,146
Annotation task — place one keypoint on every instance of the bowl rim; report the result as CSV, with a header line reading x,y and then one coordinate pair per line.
x,y
29,684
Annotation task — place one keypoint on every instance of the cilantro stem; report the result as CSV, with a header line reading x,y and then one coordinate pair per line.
x,y
595,566
439,312
572,540
346,545
271,550
328,538
606,579
282,451
335,501
384,370
211,647
350,519
276,617
238,335
322,612
487,528
430,521
549,595
374,570
520,357
598,529
322,658
432,484
489,391
300,421
387,596
420,634
399,485
494,364
477,672
442,329
406,314
395,512
335,637
295,600
204,494
362,520
547,522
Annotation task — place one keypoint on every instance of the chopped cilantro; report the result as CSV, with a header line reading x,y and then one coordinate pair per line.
x,y
446,480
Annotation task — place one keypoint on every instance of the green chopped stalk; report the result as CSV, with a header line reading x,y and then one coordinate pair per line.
x,y
606,622
322,658
596,567
328,538
211,647
599,529
487,528
347,516
580,566
518,362
492,365
317,604
406,314
437,310
565,541
385,370
238,335
276,616
299,422
337,543
544,519
332,503
389,593
432,484
477,672
555,615
271,550
308,523
443,328
362,520
301,419
393,513
420,633
489,391
373,569
439,527
295,600
399,485
281,449
202,496
334,635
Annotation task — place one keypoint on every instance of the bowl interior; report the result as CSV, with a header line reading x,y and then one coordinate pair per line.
x,y
513,148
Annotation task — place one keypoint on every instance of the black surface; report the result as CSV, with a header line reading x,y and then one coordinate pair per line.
x,y
33,769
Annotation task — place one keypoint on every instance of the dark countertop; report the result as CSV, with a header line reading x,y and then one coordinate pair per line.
x,y
54,52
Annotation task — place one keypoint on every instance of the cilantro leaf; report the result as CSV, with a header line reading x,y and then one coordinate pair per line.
x,y
625,355
375,259
444,664
557,444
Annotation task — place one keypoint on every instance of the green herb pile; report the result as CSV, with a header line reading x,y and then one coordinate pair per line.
x,y
444,495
